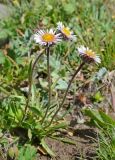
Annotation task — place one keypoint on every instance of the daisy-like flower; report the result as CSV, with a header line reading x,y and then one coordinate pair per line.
x,y
46,38
65,31
88,55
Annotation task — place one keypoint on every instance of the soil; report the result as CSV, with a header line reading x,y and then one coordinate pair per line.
x,y
85,148
82,135
4,11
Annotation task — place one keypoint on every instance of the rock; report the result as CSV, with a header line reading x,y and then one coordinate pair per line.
x,y
4,11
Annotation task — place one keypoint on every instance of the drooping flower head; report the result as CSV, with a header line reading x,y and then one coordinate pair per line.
x,y
65,31
88,55
46,38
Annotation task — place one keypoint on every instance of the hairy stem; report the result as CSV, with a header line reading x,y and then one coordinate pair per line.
x,y
49,82
30,79
69,85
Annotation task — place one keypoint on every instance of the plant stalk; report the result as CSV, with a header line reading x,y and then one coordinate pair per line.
x,y
30,79
69,85
49,82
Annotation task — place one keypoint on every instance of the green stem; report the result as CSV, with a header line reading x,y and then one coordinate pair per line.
x,y
69,85
30,79
49,82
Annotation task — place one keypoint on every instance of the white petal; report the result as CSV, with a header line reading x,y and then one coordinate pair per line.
x,y
60,26
97,59
51,31
37,38
81,49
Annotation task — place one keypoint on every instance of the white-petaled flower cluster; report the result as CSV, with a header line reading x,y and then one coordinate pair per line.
x,y
88,55
65,31
47,38
51,37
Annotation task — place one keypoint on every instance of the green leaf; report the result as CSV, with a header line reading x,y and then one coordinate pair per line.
x,y
36,111
29,134
45,146
56,127
33,94
2,58
65,140
100,118
106,118
11,152
95,116
27,153
55,63
100,74
62,85
30,153
69,8
43,83
98,97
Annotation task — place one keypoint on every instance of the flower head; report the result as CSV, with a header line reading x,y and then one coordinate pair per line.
x,y
88,55
46,38
65,31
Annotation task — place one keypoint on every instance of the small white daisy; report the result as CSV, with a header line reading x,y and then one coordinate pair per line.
x,y
88,55
66,32
46,38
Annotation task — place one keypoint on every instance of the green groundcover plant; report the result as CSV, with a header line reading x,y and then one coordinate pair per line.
x,y
106,134
32,107
38,119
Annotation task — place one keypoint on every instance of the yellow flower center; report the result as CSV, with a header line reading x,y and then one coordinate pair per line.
x,y
66,31
90,53
48,37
